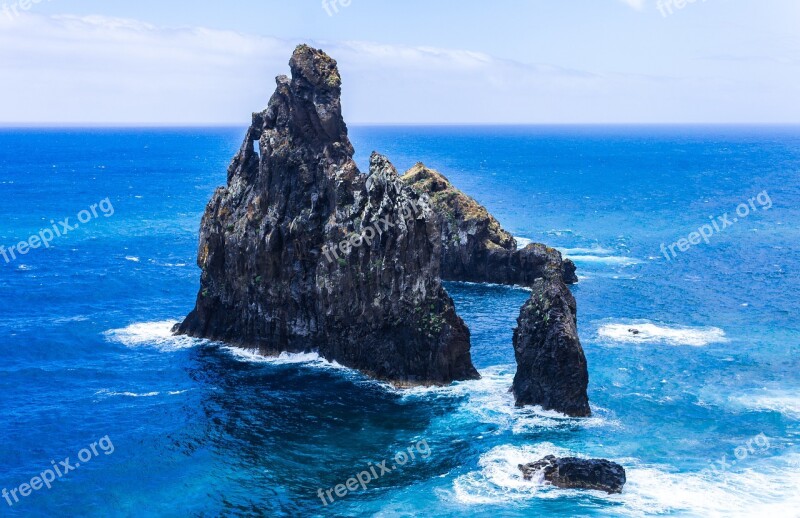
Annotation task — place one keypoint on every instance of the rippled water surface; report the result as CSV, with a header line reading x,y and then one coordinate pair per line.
x,y
201,429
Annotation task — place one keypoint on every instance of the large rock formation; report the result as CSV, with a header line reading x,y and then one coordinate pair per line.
x,y
302,252
574,473
551,365
475,248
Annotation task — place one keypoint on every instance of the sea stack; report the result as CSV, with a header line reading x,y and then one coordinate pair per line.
x,y
302,252
551,365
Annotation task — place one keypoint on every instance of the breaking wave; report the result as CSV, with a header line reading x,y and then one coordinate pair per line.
x,y
663,334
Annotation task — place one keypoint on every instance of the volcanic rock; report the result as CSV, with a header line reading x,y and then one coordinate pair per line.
x,y
302,252
551,365
475,247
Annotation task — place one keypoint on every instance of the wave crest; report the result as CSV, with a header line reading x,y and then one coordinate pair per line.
x,y
783,402
760,490
670,335
489,401
152,334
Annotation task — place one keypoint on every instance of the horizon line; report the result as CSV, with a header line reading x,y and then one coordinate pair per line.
x,y
154,125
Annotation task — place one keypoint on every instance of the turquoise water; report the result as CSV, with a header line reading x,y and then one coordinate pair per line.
x,y
701,407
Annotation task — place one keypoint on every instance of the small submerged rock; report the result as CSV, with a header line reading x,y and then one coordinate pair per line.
x,y
574,473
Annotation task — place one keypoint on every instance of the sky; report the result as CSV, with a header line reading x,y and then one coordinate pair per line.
x,y
141,62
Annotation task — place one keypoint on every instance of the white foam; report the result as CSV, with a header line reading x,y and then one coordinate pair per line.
x,y
110,393
499,478
251,355
159,335
762,489
609,259
153,334
522,242
493,285
670,335
559,232
590,251
106,392
786,403
66,320
488,400
132,258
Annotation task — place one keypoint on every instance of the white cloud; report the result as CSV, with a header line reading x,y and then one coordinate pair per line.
x,y
105,70
91,69
95,68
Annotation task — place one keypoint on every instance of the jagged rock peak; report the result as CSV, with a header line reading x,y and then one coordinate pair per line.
x,y
316,68
307,108
302,252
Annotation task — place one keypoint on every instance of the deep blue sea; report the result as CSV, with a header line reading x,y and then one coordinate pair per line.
x,y
702,407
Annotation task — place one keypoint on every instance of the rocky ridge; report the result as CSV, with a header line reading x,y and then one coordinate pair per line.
x,y
475,248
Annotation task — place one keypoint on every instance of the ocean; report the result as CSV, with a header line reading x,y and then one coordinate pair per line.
x,y
701,406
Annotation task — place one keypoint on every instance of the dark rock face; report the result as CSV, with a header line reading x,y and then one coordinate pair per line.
x,y
551,365
475,248
302,252
573,473
570,272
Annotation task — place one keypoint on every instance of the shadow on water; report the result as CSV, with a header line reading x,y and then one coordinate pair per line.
x,y
280,432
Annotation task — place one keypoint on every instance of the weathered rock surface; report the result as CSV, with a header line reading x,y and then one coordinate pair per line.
x,y
574,473
276,275
551,365
475,248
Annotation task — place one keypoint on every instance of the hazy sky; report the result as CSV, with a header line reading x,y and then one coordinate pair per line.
x,y
410,61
